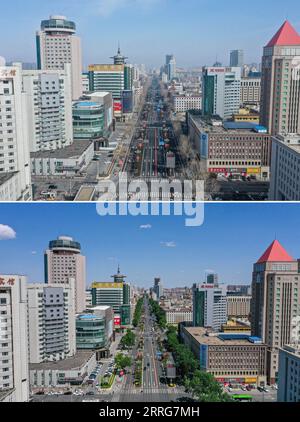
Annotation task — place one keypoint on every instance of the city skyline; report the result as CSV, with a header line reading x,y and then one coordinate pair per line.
x,y
148,247
139,17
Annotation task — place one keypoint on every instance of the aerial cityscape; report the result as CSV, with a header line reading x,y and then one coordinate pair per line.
x,y
150,204
76,131
81,325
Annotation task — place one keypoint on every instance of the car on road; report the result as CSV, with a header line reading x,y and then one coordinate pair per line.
x,y
260,389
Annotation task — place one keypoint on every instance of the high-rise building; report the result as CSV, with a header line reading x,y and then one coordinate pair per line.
x,y
119,58
58,45
64,261
237,58
275,301
14,383
49,108
171,66
51,322
209,306
280,95
116,294
221,88
250,91
212,278
288,374
15,179
158,288
109,78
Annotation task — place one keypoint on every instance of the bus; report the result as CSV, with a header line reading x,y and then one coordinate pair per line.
x,y
242,397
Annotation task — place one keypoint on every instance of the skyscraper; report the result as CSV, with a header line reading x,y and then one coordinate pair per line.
x,y
51,321
58,45
158,288
14,383
280,100
171,66
237,58
15,179
64,261
275,301
221,88
209,306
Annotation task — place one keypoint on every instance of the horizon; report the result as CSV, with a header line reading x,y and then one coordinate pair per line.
x,y
145,27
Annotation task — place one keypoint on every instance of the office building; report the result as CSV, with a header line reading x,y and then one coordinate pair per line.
x,y
51,321
15,179
158,288
177,315
183,103
106,101
212,278
231,148
285,168
230,358
64,261
209,306
58,45
119,58
85,83
171,67
88,120
49,108
14,383
238,306
275,302
64,373
237,58
280,91
90,332
109,78
221,91
251,91
289,374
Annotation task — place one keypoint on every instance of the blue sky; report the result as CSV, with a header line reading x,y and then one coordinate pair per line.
x,y
233,237
196,31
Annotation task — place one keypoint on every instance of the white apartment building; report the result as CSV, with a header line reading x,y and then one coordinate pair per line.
x,y
289,374
250,91
63,261
14,141
58,45
51,322
49,108
14,383
285,168
183,103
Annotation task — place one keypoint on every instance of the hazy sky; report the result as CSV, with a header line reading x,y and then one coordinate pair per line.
x,y
233,237
196,31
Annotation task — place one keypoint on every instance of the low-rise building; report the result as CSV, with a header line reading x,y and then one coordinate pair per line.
x,y
71,371
285,168
289,374
67,161
230,148
230,358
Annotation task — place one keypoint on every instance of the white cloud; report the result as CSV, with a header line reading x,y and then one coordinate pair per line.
x,y
145,227
6,232
33,252
108,7
168,244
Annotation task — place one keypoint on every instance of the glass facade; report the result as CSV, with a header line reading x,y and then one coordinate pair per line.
x,y
90,332
88,120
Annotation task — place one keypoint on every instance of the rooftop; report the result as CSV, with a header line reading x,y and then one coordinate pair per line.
x,y
72,151
275,253
286,35
69,364
221,339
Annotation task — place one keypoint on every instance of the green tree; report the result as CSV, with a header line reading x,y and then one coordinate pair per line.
x,y
128,339
122,361
205,388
